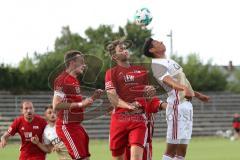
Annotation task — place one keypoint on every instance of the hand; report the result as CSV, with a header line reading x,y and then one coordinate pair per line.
x,y
35,140
3,143
56,149
87,102
188,94
97,94
134,106
150,91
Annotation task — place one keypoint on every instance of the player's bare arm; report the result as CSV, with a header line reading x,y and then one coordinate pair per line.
x,y
175,85
4,139
43,147
201,97
58,103
118,102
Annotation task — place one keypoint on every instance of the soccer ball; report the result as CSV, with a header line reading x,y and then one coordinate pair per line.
x,y
143,17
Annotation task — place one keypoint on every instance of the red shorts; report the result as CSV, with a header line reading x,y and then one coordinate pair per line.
x,y
127,130
32,158
75,139
147,152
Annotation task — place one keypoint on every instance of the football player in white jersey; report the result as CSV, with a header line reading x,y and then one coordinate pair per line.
x,y
50,138
179,113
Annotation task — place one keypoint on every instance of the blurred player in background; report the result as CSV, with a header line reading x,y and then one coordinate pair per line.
x,y
125,84
51,142
236,125
28,125
68,103
179,112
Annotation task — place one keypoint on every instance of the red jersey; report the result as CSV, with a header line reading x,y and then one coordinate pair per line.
x,y
68,88
27,130
129,83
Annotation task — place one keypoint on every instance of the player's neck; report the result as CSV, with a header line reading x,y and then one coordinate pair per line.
x,y
71,72
163,56
28,119
51,123
125,64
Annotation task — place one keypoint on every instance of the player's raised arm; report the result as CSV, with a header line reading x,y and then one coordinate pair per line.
x,y
201,97
59,104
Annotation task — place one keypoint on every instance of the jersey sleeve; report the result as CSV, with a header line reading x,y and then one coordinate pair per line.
x,y
110,82
159,71
59,89
13,129
45,138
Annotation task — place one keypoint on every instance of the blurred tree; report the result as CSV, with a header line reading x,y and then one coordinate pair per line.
x,y
26,64
234,85
203,77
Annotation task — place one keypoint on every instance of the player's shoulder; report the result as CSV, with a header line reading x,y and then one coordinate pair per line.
x,y
111,70
64,78
47,129
138,67
19,119
40,119
161,61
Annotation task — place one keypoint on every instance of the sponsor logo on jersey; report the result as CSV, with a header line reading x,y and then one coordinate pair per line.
x,y
128,78
28,135
35,127
136,71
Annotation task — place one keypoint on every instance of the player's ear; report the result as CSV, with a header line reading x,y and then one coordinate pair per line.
x,y
152,50
114,57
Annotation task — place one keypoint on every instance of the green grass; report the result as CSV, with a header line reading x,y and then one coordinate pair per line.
x,y
209,148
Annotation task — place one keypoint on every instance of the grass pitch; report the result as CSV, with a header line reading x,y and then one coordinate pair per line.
x,y
201,148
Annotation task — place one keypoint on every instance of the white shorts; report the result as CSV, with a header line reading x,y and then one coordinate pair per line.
x,y
179,121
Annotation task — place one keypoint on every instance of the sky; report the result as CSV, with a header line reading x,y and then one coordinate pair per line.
x,y
210,28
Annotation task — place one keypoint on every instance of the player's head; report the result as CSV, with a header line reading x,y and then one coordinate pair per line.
x,y
118,50
153,48
27,109
50,114
74,60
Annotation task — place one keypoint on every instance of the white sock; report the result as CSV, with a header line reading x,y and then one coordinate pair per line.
x,y
164,157
178,158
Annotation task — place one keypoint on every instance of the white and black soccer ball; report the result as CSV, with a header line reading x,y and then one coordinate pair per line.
x,y
143,17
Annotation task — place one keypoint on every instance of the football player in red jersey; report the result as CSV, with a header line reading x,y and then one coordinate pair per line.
x,y
125,84
68,103
28,125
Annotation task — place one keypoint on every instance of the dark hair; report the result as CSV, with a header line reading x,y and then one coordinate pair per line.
x,y
148,45
71,55
110,46
48,107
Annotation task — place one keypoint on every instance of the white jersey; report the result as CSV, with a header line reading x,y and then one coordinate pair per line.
x,y
179,114
50,137
168,67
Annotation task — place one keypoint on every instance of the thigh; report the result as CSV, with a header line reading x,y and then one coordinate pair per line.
x,y
185,120
75,139
138,134
118,136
